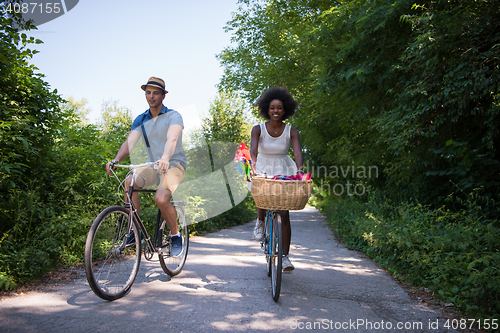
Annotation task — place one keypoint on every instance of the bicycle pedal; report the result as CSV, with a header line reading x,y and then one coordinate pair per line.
x,y
164,250
288,271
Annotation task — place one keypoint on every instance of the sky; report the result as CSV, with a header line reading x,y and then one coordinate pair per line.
x,y
105,50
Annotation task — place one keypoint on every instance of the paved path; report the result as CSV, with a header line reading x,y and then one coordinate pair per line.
x,y
224,288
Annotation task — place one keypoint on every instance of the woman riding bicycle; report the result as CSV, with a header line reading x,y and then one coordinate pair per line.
x,y
272,140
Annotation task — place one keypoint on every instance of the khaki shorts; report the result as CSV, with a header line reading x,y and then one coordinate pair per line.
x,y
150,177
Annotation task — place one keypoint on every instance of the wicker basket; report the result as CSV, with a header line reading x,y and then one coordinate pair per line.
x,y
281,194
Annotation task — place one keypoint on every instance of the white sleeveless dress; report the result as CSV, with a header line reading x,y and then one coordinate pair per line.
x,y
272,158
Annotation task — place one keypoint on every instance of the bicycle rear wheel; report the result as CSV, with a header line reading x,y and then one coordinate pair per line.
x,y
173,265
276,257
110,265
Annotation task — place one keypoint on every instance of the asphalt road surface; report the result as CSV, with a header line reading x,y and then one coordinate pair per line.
x,y
224,287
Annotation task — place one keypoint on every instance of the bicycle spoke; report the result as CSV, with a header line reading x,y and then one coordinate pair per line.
x,y
172,265
111,267
276,256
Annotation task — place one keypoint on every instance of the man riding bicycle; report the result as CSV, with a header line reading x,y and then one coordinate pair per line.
x,y
161,131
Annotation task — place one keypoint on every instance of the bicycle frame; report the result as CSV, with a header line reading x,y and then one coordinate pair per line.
x,y
268,231
272,243
114,267
154,245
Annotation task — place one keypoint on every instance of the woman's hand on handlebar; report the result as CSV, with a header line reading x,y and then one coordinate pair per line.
x,y
253,171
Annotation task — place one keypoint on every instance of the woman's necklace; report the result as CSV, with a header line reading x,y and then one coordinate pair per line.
x,y
279,129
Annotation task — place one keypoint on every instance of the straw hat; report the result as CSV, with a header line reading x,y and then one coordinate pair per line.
x,y
155,82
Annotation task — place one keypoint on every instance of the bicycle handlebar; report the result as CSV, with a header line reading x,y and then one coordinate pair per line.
x,y
136,166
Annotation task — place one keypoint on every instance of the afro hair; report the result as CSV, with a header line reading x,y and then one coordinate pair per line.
x,y
281,94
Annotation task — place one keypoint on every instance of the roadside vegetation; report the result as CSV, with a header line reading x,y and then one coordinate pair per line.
x,y
451,251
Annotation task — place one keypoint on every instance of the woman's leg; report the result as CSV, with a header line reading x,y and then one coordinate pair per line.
x,y
286,231
258,230
261,214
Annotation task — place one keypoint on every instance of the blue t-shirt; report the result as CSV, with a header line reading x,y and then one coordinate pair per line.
x,y
156,132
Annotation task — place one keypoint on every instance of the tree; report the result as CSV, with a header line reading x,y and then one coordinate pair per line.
x,y
412,89
445,124
80,111
29,119
301,45
35,226
212,181
115,121
228,120
227,125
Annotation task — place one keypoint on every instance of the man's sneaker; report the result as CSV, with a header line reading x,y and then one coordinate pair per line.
x,y
258,230
286,264
131,239
176,246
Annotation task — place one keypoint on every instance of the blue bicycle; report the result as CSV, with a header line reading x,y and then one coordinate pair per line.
x,y
275,196
272,243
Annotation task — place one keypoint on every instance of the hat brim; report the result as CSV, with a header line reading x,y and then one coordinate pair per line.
x,y
143,87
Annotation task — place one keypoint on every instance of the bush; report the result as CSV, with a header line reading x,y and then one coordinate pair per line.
x,y
50,212
455,253
240,214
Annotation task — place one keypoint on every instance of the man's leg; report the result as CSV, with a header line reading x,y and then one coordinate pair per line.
x,y
145,177
162,199
135,196
135,200
168,184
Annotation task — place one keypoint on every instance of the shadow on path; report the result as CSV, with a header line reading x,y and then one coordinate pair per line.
x,y
224,287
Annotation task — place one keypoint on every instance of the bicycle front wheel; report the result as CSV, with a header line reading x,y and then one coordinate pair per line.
x,y
112,256
276,257
267,241
172,265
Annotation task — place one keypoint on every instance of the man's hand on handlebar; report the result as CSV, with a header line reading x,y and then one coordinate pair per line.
x,y
111,166
163,165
